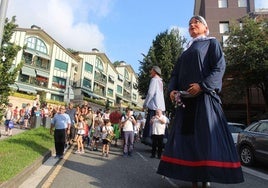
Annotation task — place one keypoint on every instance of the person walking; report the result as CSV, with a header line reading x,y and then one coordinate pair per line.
x,y
61,124
9,116
200,147
154,100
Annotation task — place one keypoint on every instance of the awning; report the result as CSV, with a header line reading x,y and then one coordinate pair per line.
x,y
39,54
89,93
28,71
42,73
26,88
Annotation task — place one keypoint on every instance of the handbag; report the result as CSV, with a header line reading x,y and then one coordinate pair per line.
x,y
11,124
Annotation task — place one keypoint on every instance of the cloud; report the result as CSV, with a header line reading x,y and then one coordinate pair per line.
x,y
64,20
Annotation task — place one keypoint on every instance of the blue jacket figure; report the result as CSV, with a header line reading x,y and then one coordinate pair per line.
x,y
200,147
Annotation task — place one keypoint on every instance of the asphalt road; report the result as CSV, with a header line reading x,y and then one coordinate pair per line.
x,y
94,171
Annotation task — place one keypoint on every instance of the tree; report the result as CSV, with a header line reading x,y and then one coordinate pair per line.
x,y
164,52
8,72
247,58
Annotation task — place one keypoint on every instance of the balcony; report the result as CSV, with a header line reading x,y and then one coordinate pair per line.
x,y
100,78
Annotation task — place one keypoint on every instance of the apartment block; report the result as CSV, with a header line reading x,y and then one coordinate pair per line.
x,y
220,14
71,76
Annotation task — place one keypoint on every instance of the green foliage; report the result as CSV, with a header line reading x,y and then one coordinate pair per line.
x,y
42,95
7,71
247,58
23,95
20,151
116,63
164,52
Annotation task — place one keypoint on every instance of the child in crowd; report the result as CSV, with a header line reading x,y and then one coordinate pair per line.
x,y
80,133
107,134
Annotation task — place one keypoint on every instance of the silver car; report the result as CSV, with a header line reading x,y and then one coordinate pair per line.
x,y
235,128
252,143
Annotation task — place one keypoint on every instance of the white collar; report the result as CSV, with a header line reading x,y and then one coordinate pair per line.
x,y
200,38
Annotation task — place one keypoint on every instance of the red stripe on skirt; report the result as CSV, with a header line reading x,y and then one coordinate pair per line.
x,y
201,163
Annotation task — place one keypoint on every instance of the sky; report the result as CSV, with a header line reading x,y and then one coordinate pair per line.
x,y
122,29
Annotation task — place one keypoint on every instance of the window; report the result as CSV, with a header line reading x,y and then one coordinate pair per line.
x,y
60,65
41,47
120,77
119,89
88,67
57,97
126,75
262,128
99,64
224,27
59,82
111,79
242,3
222,3
110,92
134,97
87,83
36,44
224,39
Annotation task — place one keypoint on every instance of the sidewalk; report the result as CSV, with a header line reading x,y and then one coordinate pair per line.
x,y
15,130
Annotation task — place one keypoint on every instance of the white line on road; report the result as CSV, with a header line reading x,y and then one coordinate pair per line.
x,y
142,156
255,173
166,178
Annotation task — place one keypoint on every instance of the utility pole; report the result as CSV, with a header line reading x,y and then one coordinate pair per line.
x,y
3,11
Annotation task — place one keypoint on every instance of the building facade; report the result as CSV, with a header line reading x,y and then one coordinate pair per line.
x,y
220,15
66,76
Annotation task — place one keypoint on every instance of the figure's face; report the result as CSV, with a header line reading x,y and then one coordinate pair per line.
x,y
152,73
197,28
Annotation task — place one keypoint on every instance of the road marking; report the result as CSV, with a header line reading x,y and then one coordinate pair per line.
x,y
171,182
255,173
163,177
56,171
144,158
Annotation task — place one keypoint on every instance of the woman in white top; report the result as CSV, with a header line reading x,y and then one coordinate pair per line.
x,y
80,133
158,123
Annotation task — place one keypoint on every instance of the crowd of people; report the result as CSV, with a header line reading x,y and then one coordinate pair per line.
x,y
95,129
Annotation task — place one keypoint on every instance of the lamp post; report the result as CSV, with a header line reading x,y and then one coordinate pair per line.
x,y
3,10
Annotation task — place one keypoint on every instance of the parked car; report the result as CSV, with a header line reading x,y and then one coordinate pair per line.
x,y
235,128
252,143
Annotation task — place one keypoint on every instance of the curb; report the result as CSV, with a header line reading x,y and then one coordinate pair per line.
x,y
24,174
44,182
